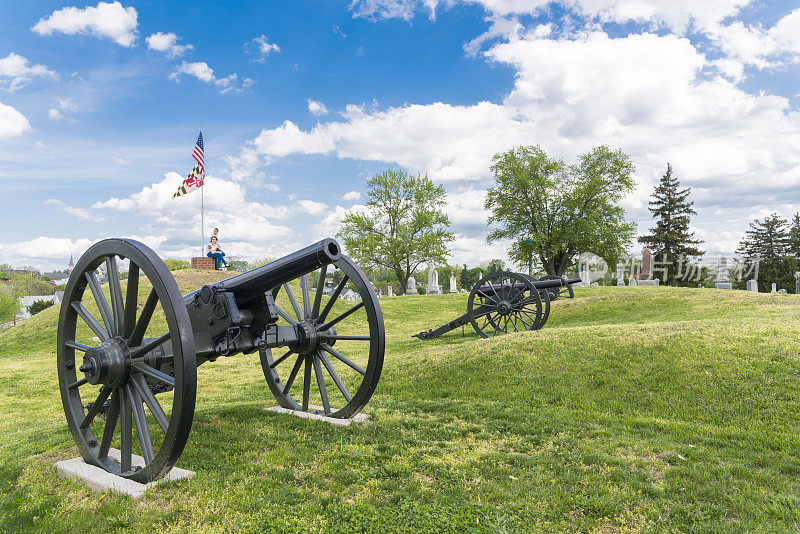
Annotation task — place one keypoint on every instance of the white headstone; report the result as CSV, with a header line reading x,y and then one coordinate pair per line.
x,y
752,285
774,288
620,274
797,282
389,291
411,286
433,282
631,281
782,291
453,288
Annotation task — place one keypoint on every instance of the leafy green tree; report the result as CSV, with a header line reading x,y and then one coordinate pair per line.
x,y
9,305
403,226
556,211
671,240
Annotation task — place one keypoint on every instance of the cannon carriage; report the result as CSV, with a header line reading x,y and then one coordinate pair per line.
x,y
141,376
506,302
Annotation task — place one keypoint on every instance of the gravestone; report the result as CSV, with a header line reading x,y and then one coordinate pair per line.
x,y
797,282
453,288
389,291
774,288
620,275
646,278
647,264
411,286
752,285
632,281
722,274
782,291
433,283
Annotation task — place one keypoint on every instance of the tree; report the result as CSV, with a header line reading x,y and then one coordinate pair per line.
x,y
555,211
494,266
469,277
9,305
402,227
670,239
793,243
766,245
767,239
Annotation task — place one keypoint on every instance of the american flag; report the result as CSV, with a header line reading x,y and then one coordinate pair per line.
x,y
198,153
195,180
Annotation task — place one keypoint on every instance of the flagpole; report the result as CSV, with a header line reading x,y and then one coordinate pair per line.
x,y
202,202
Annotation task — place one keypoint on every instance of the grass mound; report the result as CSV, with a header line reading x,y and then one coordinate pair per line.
x,y
635,409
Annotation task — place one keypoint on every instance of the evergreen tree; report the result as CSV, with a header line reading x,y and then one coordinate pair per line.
x,y
768,239
768,243
670,239
794,237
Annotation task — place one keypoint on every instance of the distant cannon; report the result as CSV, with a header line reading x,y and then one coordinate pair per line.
x,y
506,302
152,347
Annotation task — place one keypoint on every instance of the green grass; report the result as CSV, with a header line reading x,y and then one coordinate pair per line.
x,y
635,409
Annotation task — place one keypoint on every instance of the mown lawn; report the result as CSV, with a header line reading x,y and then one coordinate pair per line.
x,y
635,409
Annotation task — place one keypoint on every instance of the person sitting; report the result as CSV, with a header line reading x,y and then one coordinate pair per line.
x,y
214,251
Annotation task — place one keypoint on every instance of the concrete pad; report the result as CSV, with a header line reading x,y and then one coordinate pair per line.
x,y
358,418
723,285
98,479
649,282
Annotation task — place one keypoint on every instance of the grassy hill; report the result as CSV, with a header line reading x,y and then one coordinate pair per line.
x,y
635,409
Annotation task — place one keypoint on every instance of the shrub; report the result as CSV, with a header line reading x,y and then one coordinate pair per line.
x,y
176,265
40,305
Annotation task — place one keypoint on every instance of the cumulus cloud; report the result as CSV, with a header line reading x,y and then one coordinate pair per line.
x,y
16,71
80,213
167,43
106,20
352,196
392,9
12,122
204,73
316,108
261,48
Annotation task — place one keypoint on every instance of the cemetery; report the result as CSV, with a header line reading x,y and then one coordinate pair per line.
x,y
400,266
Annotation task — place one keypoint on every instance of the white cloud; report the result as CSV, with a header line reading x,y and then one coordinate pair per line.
x,y
12,122
64,105
204,73
15,72
119,160
260,47
109,20
312,207
352,196
167,43
55,115
79,213
316,108
391,9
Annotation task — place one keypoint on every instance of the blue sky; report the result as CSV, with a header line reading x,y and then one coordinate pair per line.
x,y
100,105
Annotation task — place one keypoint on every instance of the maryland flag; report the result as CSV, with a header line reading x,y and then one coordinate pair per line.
x,y
194,181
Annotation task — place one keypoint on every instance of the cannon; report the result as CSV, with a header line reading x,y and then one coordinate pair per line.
x,y
505,302
128,360
563,291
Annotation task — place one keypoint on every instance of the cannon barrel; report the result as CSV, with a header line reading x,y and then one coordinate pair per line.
x,y
256,281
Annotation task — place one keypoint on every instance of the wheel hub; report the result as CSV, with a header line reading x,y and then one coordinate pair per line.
x,y
504,307
108,363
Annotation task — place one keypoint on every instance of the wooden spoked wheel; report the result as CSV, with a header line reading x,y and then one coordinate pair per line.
x,y
145,348
562,292
335,369
504,302
545,296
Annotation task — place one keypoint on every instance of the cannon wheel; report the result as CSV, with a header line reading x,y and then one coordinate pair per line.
x,y
563,292
545,296
119,376
511,303
320,362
